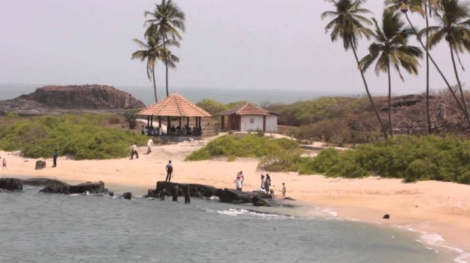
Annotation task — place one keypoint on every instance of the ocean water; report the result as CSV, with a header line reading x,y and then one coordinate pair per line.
x,y
145,94
78,228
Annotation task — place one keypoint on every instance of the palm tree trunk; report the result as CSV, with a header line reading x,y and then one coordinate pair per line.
x,y
458,82
166,64
154,84
389,101
440,72
428,114
368,93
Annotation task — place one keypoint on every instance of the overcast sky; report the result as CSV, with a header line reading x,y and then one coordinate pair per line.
x,y
262,44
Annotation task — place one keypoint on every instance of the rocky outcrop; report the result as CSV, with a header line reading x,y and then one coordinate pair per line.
x,y
127,196
40,165
70,99
11,184
88,187
42,182
232,196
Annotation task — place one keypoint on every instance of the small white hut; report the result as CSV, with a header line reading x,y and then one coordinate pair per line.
x,y
248,117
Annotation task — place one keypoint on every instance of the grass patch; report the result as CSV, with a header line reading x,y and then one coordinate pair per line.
x,y
233,146
85,136
409,158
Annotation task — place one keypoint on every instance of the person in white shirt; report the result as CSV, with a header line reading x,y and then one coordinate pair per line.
x,y
134,151
149,146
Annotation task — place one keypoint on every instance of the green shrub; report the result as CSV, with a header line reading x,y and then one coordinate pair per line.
x,y
79,135
250,145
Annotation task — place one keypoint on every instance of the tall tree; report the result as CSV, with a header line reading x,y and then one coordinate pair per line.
x,y
166,21
391,49
349,24
453,18
425,8
154,50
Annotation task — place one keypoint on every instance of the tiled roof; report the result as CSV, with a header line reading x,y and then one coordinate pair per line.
x,y
246,109
174,105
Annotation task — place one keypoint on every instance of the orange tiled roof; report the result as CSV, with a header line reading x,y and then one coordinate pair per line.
x,y
174,105
246,109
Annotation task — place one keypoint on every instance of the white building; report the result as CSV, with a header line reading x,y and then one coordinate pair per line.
x,y
248,117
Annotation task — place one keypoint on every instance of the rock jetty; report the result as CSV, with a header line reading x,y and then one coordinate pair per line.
x,y
226,195
11,184
71,99
88,187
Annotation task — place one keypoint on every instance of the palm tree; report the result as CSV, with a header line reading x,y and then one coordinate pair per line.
x,y
166,21
154,50
391,49
349,25
425,8
151,52
454,26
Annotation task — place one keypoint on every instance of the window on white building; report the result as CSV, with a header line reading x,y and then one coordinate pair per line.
x,y
252,120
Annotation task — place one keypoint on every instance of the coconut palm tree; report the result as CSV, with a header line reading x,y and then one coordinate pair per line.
x,y
153,51
349,24
391,49
166,21
453,18
424,8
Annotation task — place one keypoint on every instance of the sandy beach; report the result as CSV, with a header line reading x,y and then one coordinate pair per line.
x,y
428,207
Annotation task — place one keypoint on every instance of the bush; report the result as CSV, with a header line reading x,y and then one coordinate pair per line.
x,y
211,106
250,145
80,135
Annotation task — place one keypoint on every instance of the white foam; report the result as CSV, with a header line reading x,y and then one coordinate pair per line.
x,y
330,212
73,194
435,240
214,198
244,212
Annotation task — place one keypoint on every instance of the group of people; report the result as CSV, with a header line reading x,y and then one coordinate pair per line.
x,y
266,185
186,130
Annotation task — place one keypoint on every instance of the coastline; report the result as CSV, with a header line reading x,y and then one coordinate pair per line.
x,y
435,210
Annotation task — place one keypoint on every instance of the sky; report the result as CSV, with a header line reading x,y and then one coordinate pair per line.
x,y
228,44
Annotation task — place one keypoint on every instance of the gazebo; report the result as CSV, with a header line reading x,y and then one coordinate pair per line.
x,y
177,107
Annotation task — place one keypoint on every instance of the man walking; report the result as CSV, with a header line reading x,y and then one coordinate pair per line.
x,y
169,171
134,151
149,146
4,163
54,158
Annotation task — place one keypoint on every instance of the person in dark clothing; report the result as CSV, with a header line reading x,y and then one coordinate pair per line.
x,y
169,171
54,159
267,183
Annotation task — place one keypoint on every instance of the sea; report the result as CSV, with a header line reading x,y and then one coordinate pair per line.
x,y
194,94
48,228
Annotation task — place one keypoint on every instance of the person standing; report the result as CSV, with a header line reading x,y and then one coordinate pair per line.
x,y
267,183
54,158
169,171
237,181
242,179
149,146
134,151
4,163
283,190
263,182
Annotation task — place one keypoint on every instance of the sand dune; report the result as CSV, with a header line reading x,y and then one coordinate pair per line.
x,y
433,207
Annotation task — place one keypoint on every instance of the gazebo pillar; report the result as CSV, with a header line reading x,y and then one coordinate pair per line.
x,y
168,126
180,131
264,123
187,121
148,120
151,120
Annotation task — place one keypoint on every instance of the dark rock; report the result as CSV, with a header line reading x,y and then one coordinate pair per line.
x,y
40,164
42,182
127,196
71,99
387,216
258,201
111,193
11,184
91,188
196,190
289,198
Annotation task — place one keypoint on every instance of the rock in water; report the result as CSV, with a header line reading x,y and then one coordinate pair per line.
x,y
40,164
127,195
42,182
11,184
387,216
91,188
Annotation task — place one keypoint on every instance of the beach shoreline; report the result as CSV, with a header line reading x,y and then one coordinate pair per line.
x,y
434,210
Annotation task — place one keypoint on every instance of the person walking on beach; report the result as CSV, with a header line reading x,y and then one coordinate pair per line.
x,y
169,171
149,146
272,191
263,182
267,183
238,182
134,151
4,163
283,190
54,158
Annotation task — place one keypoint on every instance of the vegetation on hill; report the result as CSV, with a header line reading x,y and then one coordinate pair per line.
x,y
410,158
84,136
241,145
